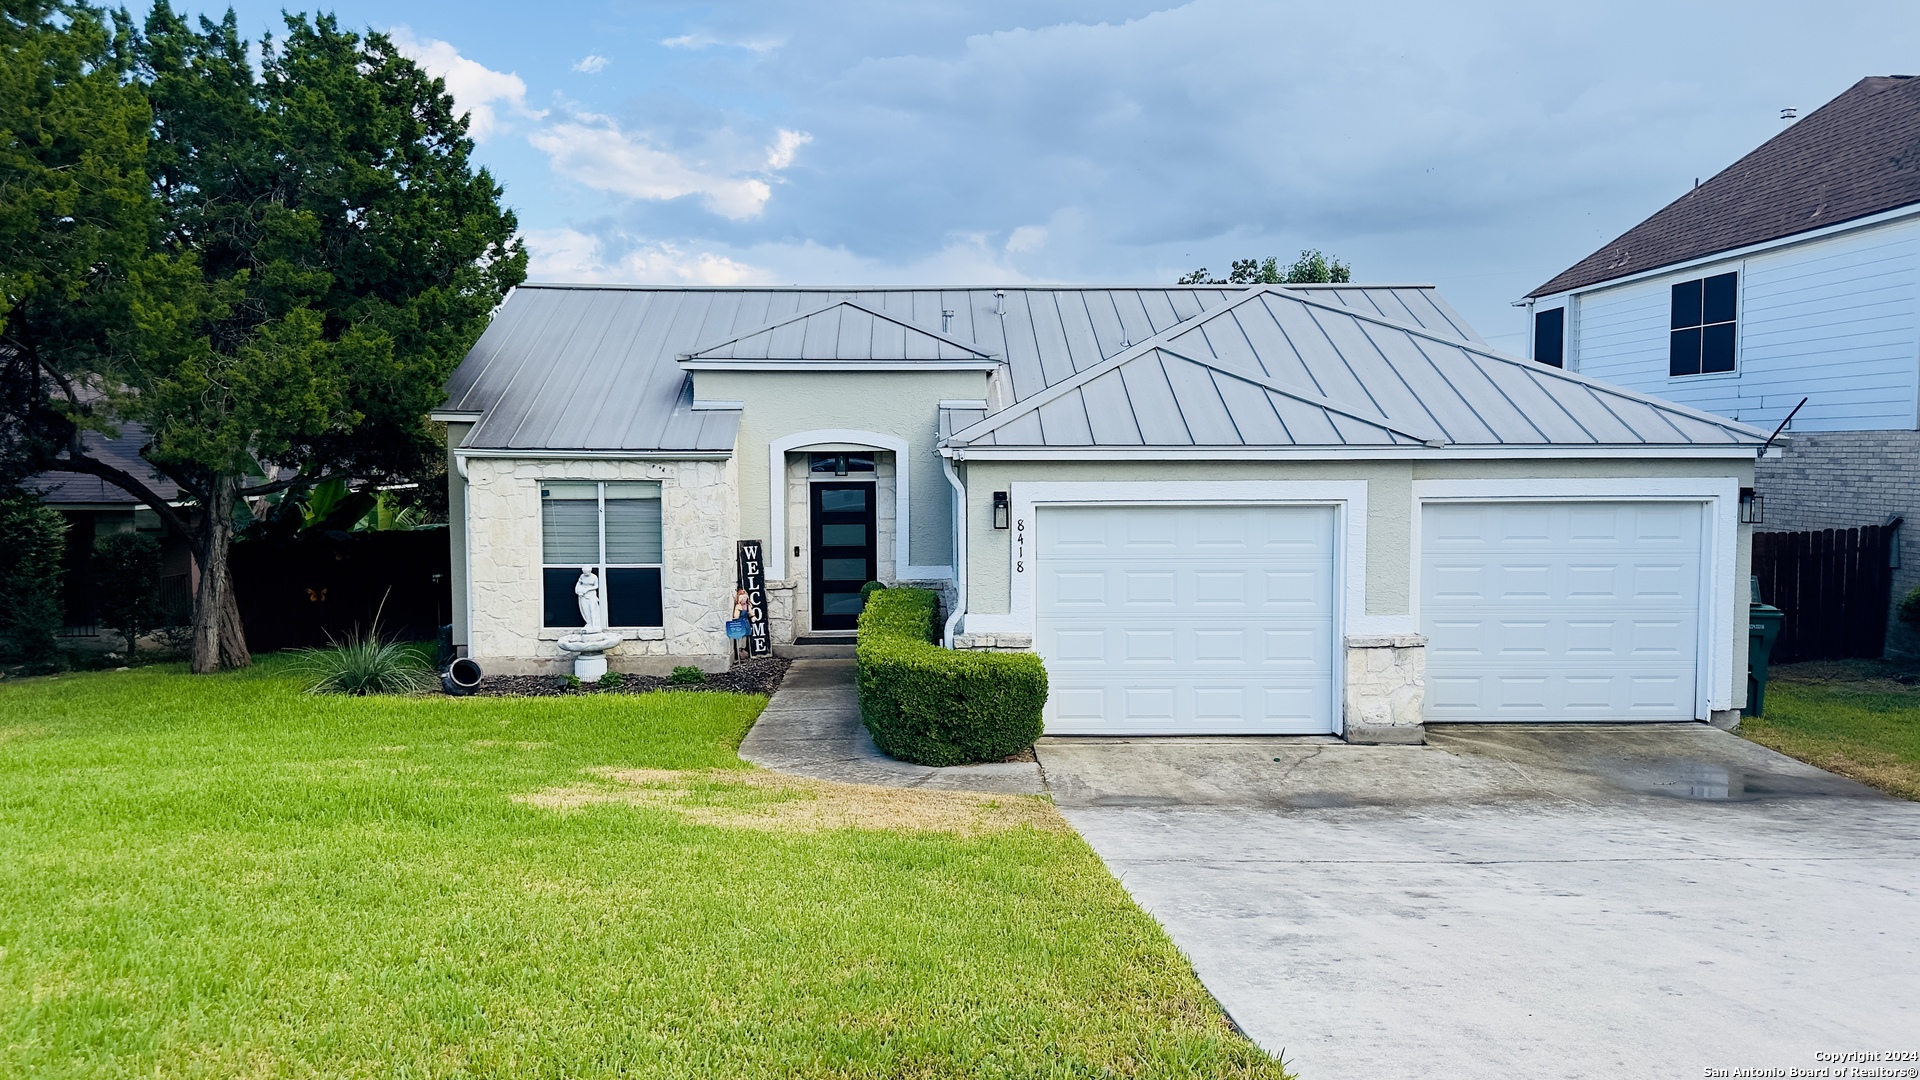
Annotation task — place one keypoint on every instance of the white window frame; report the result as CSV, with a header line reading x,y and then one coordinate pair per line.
x,y
1739,270
601,567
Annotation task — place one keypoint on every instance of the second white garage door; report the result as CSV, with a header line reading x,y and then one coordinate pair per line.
x,y
1541,611
1186,619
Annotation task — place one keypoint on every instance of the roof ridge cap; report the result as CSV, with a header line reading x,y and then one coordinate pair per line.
x,y
1539,369
845,301
1081,378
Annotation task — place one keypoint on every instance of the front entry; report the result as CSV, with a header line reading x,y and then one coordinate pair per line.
x,y
843,552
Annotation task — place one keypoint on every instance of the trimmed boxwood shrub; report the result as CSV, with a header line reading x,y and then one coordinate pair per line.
x,y
935,706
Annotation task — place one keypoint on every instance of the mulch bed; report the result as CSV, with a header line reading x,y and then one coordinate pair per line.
x,y
760,676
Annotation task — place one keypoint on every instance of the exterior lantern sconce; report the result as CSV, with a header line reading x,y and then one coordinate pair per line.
x,y
1753,507
999,509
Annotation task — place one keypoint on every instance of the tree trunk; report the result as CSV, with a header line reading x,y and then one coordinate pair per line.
x,y
219,640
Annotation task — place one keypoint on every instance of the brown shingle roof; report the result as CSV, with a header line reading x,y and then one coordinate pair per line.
x,y
1856,155
122,452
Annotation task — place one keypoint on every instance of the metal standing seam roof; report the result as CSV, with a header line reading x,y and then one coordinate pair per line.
x,y
595,367
1279,368
604,368
844,333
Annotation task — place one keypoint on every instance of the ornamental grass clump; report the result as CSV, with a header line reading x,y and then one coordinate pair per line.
x,y
365,664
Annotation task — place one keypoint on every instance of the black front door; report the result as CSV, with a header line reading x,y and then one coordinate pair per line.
x,y
843,552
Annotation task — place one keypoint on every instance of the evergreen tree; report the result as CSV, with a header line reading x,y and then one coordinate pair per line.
x,y
322,252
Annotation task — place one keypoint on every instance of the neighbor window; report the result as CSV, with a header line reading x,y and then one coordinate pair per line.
x,y
1701,335
614,528
1549,336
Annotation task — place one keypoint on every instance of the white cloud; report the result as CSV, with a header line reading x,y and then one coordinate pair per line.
x,y
1027,238
477,89
590,64
785,145
572,255
761,46
605,158
594,150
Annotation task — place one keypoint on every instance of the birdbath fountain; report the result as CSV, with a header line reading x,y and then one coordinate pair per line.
x,y
590,643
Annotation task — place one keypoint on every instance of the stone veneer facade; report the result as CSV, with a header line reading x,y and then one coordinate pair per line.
x,y
699,520
1386,688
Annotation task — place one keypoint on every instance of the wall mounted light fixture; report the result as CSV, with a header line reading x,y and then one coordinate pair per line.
x,y
999,509
1753,507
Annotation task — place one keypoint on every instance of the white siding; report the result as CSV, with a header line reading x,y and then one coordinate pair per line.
x,y
1836,321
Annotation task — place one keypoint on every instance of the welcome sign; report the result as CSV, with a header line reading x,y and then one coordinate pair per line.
x,y
753,582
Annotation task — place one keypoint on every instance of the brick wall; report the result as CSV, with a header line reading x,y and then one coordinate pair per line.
x,y
1845,479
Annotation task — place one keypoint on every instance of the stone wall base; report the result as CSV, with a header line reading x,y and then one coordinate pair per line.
x,y
1386,691
626,665
994,642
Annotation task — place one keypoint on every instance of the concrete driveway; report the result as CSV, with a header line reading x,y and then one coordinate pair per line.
x,y
1650,901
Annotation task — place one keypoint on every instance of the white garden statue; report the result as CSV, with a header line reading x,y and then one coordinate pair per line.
x,y
587,588
590,643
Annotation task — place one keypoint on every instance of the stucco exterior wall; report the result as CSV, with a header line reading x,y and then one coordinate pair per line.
x,y
904,405
699,524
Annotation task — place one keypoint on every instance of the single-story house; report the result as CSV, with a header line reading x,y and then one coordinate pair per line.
x,y
1209,509
94,508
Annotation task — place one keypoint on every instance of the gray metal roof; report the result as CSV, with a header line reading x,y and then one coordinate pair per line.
x,y
586,367
1352,366
842,334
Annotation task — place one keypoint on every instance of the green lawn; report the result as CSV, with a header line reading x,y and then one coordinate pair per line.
x,y
1847,717
225,877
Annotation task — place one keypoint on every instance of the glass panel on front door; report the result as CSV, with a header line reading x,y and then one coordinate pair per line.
x,y
843,552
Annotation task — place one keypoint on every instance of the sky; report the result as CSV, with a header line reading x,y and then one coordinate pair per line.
x,y
1481,148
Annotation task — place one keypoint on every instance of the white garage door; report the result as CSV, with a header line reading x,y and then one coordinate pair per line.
x,y
1186,620
1561,611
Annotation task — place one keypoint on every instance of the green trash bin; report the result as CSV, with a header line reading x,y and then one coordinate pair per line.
x,y
1763,629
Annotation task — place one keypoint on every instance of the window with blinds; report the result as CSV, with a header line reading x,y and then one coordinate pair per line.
x,y
611,527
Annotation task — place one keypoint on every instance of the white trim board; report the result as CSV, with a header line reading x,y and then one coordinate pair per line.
x,y
1720,538
1698,262
1735,451
1349,495
777,451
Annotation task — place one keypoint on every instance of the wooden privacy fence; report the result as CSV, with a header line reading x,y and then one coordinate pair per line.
x,y
308,591
1833,585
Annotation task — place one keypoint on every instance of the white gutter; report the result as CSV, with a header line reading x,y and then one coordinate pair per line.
x,y
1356,453
959,549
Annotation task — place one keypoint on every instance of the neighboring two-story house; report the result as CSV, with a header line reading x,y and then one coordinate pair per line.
x,y
1794,273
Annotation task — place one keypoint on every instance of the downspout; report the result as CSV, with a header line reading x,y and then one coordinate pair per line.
x,y
465,648
959,549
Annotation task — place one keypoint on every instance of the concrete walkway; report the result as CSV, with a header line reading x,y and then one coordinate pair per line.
x,y
1567,902
812,727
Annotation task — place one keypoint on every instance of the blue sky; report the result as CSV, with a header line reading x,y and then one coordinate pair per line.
x,y
864,141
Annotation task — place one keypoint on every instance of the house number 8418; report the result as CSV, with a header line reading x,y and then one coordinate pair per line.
x,y
1020,546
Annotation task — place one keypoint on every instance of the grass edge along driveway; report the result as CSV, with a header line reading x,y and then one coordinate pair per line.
x,y
224,876
1849,717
